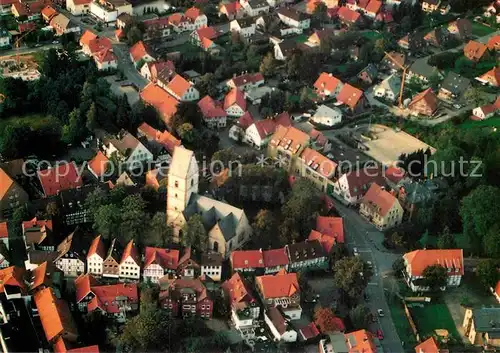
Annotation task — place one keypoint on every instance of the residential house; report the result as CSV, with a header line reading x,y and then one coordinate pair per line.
x,y
414,195
275,260
245,261
294,18
245,27
413,42
55,316
362,341
475,51
244,307
63,25
78,7
158,71
278,325
123,20
353,185
381,208
437,37
105,60
164,103
389,88
494,43
418,260
141,53
185,297
61,177
254,7
320,37
163,139
427,346
245,81
235,104
179,22
481,327
188,264
130,264
373,8
211,265
37,234
83,290
108,10
111,264
73,209
182,90
423,71
348,17
158,263
453,87
98,165
394,61
157,178
491,77
369,74
6,7
327,85
96,256
47,13
237,131
496,291
71,254
232,10
486,111
213,114
284,49
312,165
424,103
492,10
319,142
259,133
353,98
12,195
126,148
462,28
228,227
326,241
306,255
86,40
332,227
196,17
431,5
156,28
31,10
287,144
203,33
280,290
100,49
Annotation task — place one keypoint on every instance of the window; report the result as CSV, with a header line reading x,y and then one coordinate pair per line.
x,y
176,184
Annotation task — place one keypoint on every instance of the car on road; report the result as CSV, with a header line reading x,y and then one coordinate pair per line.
x,y
355,251
380,334
380,313
369,264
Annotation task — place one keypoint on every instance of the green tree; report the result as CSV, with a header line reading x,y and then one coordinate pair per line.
x,y
360,317
159,234
91,116
194,233
435,276
107,220
487,273
95,199
446,240
73,132
491,242
264,226
476,96
320,13
351,275
133,218
208,85
398,267
52,209
268,65
134,35
186,132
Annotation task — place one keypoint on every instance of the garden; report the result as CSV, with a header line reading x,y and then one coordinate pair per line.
x,y
434,316
480,30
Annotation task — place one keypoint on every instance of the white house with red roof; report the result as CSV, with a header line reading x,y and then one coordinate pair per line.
x,y
126,147
418,260
78,7
203,36
279,326
98,165
213,113
159,262
381,207
314,166
353,185
130,264
96,256
141,52
328,85
61,177
231,10
280,290
182,89
259,133
353,98
196,17
275,260
486,111
235,104
246,81
246,260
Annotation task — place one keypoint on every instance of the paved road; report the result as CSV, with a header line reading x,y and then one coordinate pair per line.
x,y
127,67
368,240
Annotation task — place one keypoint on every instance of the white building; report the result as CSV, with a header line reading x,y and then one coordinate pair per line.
x,y
211,265
159,262
196,18
244,26
130,265
78,7
95,257
388,88
182,89
486,111
352,186
279,326
70,259
128,149
327,116
418,260
259,133
255,7
108,11
294,18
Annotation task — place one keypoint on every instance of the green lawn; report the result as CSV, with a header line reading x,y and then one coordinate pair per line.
x,y
186,49
432,317
480,30
372,35
493,122
301,38
401,323
35,121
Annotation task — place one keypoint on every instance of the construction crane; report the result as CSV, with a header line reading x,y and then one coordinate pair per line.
x,y
18,42
404,68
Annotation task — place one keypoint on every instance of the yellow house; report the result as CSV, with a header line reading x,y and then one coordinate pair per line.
x,y
381,208
482,326
286,145
317,168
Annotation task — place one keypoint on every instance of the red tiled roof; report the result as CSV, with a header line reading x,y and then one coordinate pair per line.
x,y
327,242
7,2
247,259
119,33
139,50
105,297
179,85
192,13
81,2
12,276
235,96
99,164
245,120
497,288
83,286
419,260
105,56
362,4
156,68
374,6
265,127
360,341
237,290
88,349
206,32
48,12
58,178
428,97
348,15
54,314
474,50
3,230
495,74
278,285
379,198
206,43
210,108
97,247
275,257
166,258
289,138
131,250
395,174
5,183
332,226
37,223
494,43
327,82
309,331
23,27
350,95
427,346
86,37
359,180
160,99
241,80
319,163
99,44
283,119
232,7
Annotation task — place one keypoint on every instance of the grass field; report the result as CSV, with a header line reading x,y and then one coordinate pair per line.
x,y
401,323
301,38
373,35
432,317
34,121
493,122
480,30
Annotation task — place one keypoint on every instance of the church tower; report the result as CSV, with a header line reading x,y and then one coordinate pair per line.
x,y
183,177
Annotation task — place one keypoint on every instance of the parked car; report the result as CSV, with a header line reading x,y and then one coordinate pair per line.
x,y
380,313
355,251
369,264
380,334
